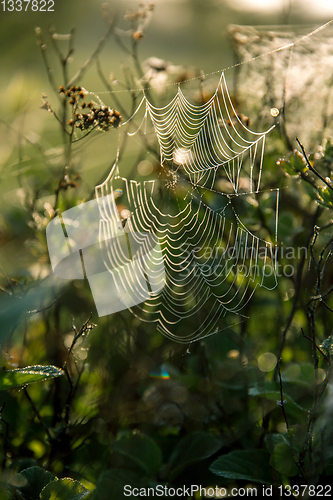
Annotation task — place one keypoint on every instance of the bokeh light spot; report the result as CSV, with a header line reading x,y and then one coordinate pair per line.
x,y
145,167
267,362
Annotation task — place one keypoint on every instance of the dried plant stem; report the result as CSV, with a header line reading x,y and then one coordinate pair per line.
x,y
5,437
311,168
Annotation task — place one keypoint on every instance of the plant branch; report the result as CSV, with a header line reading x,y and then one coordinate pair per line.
x,y
37,413
95,54
317,347
311,168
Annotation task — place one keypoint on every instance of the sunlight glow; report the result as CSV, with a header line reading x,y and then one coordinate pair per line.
x,y
318,8
257,5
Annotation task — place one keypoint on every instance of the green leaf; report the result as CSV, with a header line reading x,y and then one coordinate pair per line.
x,y
250,465
27,375
282,460
324,204
328,151
287,224
6,491
329,469
64,489
193,448
35,479
297,161
327,345
13,310
112,483
327,195
311,191
140,450
276,396
271,440
286,165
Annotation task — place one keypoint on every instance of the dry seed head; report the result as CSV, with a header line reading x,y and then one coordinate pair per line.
x,y
138,35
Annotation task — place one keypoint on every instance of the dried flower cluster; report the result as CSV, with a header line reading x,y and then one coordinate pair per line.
x,y
67,182
87,116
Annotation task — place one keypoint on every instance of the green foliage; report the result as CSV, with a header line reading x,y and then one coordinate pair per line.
x,y
327,346
117,403
63,489
283,461
297,162
139,452
112,483
34,479
295,165
250,465
327,196
192,449
29,374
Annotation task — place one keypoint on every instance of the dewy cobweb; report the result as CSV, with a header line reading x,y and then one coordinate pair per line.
x,y
290,80
182,249
206,263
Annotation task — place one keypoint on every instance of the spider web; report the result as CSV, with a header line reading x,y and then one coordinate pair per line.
x,y
208,262
290,80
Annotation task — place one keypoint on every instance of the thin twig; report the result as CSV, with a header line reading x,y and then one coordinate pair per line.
x,y
5,439
37,413
37,146
84,136
86,327
8,280
326,305
36,311
321,352
297,287
328,225
63,59
48,68
321,296
102,178
298,283
330,290
110,89
63,126
281,402
91,59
